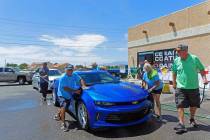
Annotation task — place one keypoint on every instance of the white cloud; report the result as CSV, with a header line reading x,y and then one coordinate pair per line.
x,y
81,43
75,50
29,54
122,49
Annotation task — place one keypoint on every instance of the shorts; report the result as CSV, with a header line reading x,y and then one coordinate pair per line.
x,y
157,91
64,103
185,98
44,87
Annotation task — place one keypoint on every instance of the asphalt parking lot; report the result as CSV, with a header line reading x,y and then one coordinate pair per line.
x,y
25,117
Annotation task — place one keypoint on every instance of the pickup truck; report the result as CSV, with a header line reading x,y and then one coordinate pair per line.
x,y
8,74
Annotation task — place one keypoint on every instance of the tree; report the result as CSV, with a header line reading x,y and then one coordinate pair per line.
x,y
11,65
94,65
23,66
79,67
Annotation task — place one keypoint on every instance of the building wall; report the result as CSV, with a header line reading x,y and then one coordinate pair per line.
x,y
199,45
184,20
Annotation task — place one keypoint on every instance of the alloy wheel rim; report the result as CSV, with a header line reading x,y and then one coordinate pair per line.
x,y
82,114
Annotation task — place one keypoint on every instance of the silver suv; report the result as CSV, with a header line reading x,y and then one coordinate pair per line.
x,y
8,74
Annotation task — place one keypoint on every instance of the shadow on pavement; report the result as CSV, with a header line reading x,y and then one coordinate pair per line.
x,y
72,125
131,131
11,84
170,118
201,127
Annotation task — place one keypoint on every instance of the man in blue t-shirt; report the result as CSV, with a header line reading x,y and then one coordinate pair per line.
x,y
69,85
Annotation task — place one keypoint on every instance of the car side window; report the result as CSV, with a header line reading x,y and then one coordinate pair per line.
x,y
105,77
1,69
8,70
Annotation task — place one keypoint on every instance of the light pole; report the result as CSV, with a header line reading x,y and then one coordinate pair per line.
x,y
5,62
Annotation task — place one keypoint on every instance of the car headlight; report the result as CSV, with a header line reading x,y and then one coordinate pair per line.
x,y
101,103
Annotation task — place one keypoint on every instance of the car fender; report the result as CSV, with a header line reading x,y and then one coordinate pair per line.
x,y
89,103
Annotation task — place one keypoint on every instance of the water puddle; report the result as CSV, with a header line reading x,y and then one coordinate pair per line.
x,y
12,105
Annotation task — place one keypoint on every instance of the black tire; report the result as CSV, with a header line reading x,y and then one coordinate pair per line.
x,y
55,99
30,82
84,124
21,80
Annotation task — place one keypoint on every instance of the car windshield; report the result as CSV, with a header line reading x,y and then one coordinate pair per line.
x,y
16,69
98,78
54,73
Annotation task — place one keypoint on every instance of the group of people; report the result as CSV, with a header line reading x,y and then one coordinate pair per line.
x,y
185,82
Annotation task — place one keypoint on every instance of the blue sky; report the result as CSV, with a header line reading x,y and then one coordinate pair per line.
x,y
74,31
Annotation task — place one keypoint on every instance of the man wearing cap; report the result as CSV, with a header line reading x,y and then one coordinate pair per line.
x,y
69,85
43,72
185,82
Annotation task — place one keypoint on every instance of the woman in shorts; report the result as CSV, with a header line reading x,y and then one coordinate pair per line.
x,y
154,85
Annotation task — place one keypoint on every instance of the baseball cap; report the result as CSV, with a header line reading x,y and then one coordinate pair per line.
x,y
182,47
163,67
69,67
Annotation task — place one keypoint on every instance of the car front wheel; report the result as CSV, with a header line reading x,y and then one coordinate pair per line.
x,y
82,116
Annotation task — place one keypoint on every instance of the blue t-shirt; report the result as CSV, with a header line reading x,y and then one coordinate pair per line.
x,y
72,82
151,82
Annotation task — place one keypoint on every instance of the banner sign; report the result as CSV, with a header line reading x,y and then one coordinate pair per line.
x,y
159,58
164,58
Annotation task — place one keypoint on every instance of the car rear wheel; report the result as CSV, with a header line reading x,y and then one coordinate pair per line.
x,y
21,80
55,99
82,116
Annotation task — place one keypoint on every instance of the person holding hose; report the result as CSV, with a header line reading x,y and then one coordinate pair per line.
x,y
44,78
186,84
155,85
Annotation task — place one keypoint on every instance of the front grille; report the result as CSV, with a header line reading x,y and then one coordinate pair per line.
x,y
117,118
130,103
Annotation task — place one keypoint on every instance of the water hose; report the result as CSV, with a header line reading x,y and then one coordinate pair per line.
x,y
203,94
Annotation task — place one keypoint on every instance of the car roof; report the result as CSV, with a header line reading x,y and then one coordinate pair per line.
x,y
90,71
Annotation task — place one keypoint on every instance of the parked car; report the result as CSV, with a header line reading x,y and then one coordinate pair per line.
x,y
9,74
107,102
53,74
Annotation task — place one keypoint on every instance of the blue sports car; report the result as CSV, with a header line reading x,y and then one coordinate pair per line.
x,y
108,102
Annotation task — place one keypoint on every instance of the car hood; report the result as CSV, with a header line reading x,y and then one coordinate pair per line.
x,y
117,92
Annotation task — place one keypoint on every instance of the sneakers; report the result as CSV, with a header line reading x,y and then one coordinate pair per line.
x,y
64,127
180,128
57,118
193,123
44,99
159,118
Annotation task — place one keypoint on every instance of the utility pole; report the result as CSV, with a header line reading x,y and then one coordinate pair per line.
x,y
5,61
